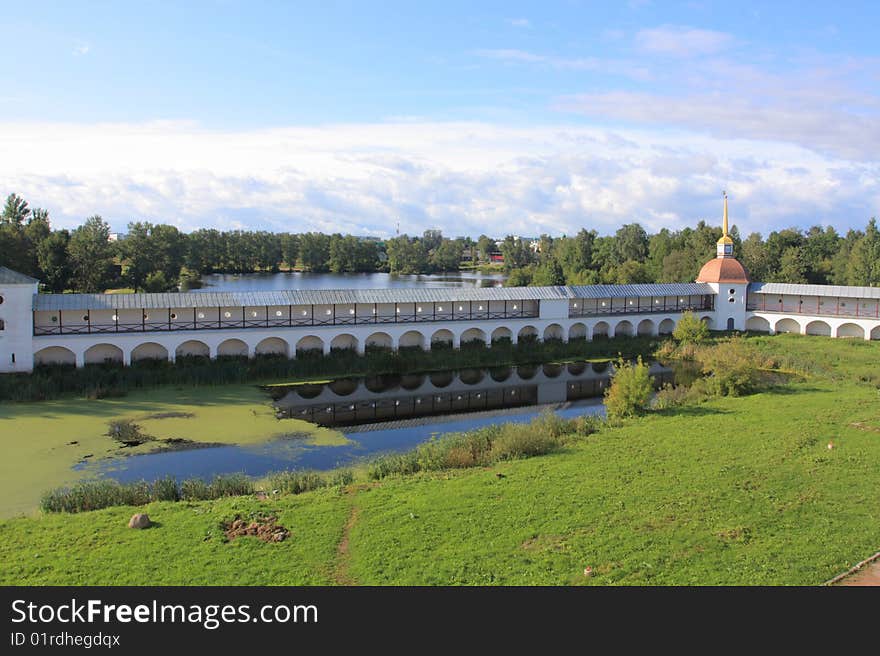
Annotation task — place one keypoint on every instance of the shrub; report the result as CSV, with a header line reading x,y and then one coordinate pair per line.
x,y
194,489
342,477
296,482
522,441
166,489
127,433
732,366
232,485
93,495
690,329
630,391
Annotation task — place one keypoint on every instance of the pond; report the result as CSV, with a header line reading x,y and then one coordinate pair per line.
x,y
380,414
227,282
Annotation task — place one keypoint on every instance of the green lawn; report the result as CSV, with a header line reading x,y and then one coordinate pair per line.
x,y
36,437
735,491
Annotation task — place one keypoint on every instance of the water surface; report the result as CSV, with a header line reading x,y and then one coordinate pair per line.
x,y
381,414
228,282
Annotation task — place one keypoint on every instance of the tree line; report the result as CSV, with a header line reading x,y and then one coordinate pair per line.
x,y
159,257
818,255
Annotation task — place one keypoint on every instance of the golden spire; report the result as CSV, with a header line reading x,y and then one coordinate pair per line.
x,y
724,226
725,244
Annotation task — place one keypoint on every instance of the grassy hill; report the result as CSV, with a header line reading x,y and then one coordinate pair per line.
x,y
733,491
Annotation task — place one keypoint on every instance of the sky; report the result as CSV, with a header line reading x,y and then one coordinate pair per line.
x,y
469,117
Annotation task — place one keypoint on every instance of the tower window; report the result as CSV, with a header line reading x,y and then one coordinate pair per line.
x,y
731,291
731,300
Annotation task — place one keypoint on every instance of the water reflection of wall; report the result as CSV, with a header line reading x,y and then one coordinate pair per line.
x,y
353,401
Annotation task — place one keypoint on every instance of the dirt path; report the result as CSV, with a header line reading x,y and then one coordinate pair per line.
x,y
866,573
340,574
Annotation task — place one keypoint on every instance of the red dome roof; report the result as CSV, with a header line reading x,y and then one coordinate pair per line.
x,y
723,269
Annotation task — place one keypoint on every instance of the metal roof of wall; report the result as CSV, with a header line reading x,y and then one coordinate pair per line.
x,y
294,297
621,291
813,290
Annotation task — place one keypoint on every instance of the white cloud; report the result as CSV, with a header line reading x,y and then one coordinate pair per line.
x,y
465,178
81,49
681,41
520,22
592,64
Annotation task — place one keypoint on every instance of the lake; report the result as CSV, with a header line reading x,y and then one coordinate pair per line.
x,y
380,414
228,282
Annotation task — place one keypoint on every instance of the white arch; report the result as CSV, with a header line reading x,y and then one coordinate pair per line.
x,y
850,330
345,342
442,337
645,327
411,339
875,334
272,346
710,324
758,324
601,329
232,348
473,335
527,334
577,331
502,333
787,326
379,340
101,353
553,332
192,348
623,329
310,344
666,327
149,351
54,355
818,328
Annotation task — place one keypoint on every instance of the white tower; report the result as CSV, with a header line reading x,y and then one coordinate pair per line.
x,y
16,321
730,281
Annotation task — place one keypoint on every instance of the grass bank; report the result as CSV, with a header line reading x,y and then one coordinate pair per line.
x,y
736,490
42,441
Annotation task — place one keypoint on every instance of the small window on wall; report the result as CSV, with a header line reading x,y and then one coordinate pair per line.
x,y
1,300
731,300
731,291
2,325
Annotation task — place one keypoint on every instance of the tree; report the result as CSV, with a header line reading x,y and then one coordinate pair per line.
x,y
630,391
548,274
690,329
314,251
485,247
631,243
15,211
516,253
755,258
289,249
54,261
407,255
149,250
792,267
432,239
91,256
447,256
